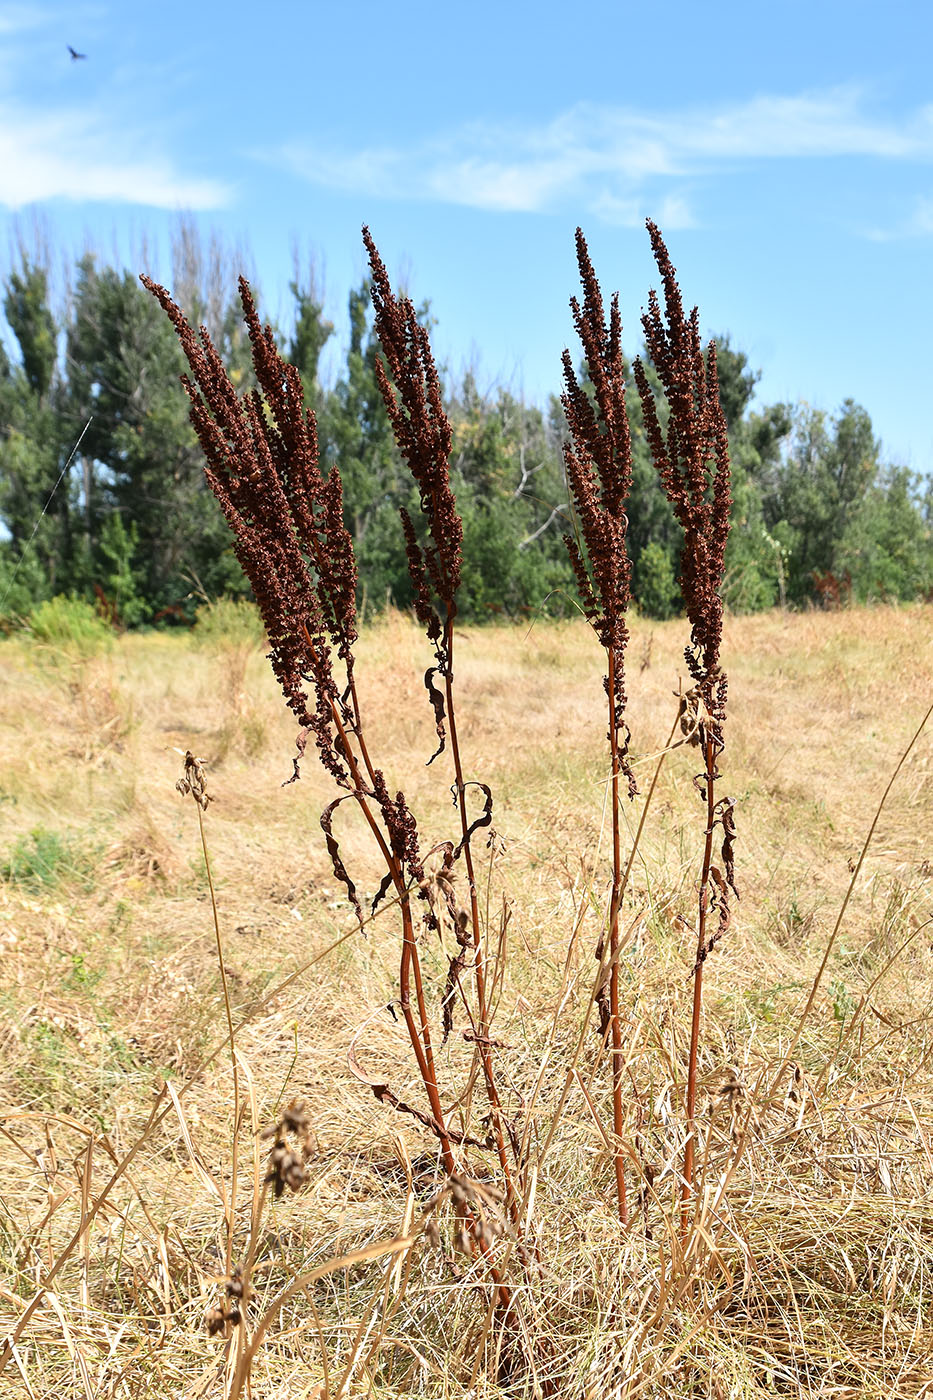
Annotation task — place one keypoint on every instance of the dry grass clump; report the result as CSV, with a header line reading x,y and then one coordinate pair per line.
x,y
824,1230
256,1146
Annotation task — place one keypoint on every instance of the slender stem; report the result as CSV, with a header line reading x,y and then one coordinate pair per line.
x,y
615,1027
231,1217
479,970
709,749
421,1043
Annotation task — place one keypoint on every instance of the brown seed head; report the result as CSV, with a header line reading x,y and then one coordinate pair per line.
x,y
598,462
262,464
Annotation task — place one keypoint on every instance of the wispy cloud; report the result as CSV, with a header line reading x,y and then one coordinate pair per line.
x,y
96,147
70,154
609,158
917,224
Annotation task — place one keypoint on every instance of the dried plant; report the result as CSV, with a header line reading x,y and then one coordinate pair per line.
x,y
598,461
290,1150
294,547
291,539
691,455
412,394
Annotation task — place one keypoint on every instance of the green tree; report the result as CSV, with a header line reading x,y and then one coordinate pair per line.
x,y
310,334
813,493
125,367
35,505
507,471
887,547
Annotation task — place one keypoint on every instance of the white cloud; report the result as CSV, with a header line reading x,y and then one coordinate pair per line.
x,y
917,224
98,148
70,154
608,157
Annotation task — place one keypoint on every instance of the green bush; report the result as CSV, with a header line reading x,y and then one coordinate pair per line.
x,y
69,625
655,587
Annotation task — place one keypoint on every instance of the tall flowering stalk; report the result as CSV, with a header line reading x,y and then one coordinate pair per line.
x,y
691,455
598,461
411,389
289,535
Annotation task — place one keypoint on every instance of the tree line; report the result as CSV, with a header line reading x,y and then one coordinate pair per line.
x,y
127,519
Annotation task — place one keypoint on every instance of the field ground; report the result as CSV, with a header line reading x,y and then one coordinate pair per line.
x,y
813,1267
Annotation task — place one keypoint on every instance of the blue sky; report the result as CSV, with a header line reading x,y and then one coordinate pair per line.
x,y
786,151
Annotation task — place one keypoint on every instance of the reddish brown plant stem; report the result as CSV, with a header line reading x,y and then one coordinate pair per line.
x,y
709,751
482,1042
410,962
618,1120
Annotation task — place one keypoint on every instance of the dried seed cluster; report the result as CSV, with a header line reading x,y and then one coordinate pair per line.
x,y
290,538
692,461
478,1214
598,461
194,781
229,1311
288,1160
413,396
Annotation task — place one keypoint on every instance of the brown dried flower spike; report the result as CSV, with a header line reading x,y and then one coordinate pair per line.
x,y
288,1161
220,1317
598,461
194,781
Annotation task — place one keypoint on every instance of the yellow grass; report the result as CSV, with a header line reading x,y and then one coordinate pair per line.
x,y
809,1271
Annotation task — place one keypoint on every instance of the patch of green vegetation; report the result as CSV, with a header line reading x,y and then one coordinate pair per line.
x,y
69,625
81,976
43,859
844,1003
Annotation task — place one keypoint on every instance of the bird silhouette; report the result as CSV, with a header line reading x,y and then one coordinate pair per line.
x,y
74,53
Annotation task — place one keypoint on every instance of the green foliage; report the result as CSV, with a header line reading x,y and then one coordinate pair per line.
x,y
26,306
886,548
118,547
70,626
127,367
311,333
43,859
654,584
36,500
131,517
23,584
509,483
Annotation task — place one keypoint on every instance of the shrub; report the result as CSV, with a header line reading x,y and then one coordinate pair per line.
x,y
69,625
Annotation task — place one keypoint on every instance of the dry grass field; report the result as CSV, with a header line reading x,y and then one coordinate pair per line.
x,y
126,1197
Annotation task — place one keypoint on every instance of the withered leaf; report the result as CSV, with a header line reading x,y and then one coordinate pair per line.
x,y
382,891
437,704
727,817
385,1095
484,819
333,850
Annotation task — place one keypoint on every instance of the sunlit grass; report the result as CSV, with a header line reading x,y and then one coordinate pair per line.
x,y
814,1278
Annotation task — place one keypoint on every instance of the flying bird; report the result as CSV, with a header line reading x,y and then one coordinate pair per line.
x,y
74,53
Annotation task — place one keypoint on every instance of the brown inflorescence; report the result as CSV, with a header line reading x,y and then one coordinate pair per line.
x,y
289,534
598,461
262,463
411,390
413,397
692,460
